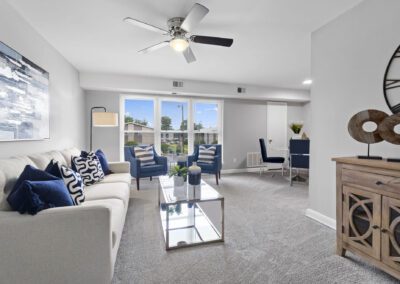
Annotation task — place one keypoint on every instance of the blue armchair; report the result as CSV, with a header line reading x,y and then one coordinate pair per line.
x,y
137,171
215,167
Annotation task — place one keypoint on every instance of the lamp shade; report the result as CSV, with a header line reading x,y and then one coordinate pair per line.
x,y
105,119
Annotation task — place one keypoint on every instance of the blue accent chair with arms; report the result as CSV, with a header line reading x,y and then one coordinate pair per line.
x,y
138,171
212,168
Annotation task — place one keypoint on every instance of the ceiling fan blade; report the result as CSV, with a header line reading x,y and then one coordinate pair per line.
x,y
212,40
154,47
189,55
145,25
193,18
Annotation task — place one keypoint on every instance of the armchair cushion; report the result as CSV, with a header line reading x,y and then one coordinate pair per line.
x,y
206,166
151,169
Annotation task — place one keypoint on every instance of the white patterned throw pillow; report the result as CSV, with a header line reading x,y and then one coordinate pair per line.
x,y
89,168
145,155
74,183
206,155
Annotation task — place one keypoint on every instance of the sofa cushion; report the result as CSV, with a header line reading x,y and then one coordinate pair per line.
x,y
123,177
69,153
57,157
116,190
41,160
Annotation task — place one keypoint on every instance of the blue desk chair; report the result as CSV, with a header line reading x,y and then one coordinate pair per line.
x,y
212,168
299,157
269,160
138,171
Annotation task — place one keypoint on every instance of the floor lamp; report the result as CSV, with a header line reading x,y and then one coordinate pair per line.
x,y
101,119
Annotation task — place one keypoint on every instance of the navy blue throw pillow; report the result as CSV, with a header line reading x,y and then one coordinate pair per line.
x,y
103,161
32,174
34,196
36,190
53,169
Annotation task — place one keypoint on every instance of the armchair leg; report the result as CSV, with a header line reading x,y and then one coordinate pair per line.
x,y
216,178
219,174
151,178
137,183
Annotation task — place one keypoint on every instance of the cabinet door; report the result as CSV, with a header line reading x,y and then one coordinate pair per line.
x,y
391,232
362,220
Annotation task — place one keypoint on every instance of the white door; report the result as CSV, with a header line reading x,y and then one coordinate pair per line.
x,y
276,140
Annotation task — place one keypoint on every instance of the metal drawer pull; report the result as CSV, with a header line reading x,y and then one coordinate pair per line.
x,y
379,182
375,227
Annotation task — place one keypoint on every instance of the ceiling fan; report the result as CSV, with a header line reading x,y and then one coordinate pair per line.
x,y
179,30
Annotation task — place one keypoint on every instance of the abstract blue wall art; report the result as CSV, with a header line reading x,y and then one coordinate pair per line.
x,y
24,98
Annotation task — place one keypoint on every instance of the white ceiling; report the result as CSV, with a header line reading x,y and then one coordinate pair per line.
x,y
271,37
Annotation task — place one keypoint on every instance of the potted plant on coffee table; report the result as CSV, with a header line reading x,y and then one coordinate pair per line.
x,y
179,173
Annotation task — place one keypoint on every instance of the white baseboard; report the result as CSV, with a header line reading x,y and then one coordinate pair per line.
x,y
325,220
237,171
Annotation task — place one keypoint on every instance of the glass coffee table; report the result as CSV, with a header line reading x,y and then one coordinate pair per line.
x,y
190,215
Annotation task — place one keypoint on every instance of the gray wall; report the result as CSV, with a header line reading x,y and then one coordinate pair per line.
x,y
244,122
66,97
349,57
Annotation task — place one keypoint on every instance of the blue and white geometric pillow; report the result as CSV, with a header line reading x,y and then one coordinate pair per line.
x,y
74,183
89,168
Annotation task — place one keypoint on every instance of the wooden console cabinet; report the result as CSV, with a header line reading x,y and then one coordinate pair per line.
x,y
368,211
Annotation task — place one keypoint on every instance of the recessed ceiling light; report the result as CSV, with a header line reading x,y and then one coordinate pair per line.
x,y
307,82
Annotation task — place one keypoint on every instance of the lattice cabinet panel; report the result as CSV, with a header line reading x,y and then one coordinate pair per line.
x,y
361,220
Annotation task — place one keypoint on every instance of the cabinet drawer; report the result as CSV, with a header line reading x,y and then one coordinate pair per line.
x,y
371,180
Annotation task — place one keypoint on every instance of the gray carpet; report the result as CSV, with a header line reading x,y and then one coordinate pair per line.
x,y
267,240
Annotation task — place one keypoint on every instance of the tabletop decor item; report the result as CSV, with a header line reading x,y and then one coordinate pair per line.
x,y
356,130
179,173
194,174
296,128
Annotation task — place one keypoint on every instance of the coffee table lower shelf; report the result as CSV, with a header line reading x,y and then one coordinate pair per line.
x,y
187,225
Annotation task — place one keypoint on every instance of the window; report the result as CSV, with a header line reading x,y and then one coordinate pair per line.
x,y
172,125
206,123
174,128
138,122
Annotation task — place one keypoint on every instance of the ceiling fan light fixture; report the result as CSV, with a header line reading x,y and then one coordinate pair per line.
x,y
179,44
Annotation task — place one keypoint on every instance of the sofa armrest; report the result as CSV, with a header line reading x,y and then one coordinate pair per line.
x,y
70,244
120,167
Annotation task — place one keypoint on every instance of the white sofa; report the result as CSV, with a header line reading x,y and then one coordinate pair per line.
x,y
75,244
